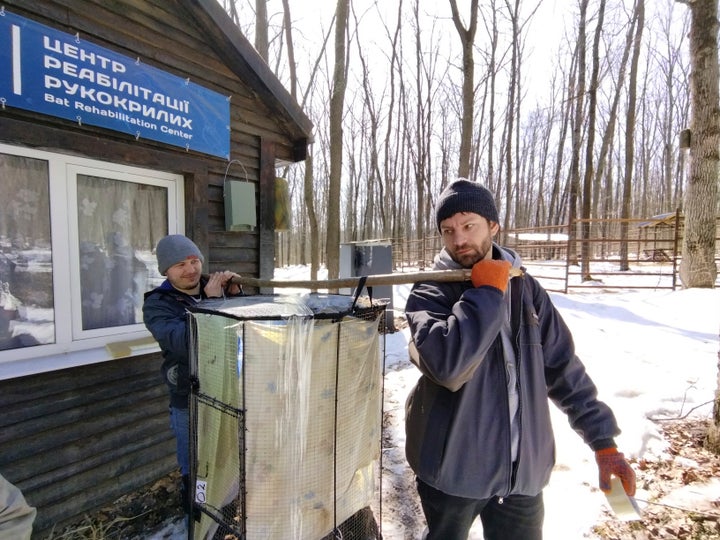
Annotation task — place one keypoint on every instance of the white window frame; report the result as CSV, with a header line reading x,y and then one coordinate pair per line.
x,y
74,346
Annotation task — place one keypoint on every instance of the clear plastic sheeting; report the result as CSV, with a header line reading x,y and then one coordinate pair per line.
x,y
286,416
259,307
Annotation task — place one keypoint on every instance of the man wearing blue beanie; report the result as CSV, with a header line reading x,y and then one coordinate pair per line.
x,y
164,313
491,351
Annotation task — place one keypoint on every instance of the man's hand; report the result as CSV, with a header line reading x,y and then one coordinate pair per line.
x,y
612,463
219,283
491,272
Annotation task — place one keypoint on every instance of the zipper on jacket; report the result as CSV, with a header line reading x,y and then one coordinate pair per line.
x,y
515,318
510,467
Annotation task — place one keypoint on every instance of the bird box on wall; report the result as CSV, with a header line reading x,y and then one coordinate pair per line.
x,y
283,215
240,212
685,139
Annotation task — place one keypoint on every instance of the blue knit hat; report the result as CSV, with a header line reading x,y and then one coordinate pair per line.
x,y
463,195
175,248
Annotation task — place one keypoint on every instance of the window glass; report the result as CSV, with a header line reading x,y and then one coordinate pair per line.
x,y
77,241
26,274
119,223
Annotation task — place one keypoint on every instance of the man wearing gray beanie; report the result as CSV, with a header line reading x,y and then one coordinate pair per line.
x,y
491,351
164,313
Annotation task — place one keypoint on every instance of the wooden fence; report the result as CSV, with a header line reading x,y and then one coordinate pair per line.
x,y
642,253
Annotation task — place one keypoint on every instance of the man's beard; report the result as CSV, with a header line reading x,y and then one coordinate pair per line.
x,y
185,285
469,259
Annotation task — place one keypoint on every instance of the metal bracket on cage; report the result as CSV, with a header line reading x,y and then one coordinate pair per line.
x,y
358,290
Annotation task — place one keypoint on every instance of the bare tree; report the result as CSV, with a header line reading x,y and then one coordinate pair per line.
x,y
231,8
311,216
669,65
555,215
609,133
585,228
391,191
697,268
630,134
513,12
337,105
309,176
374,178
578,95
420,151
292,66
261,29
467,39
492,74
400,142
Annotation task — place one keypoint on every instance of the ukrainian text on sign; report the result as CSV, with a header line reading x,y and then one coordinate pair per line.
x,y
51,72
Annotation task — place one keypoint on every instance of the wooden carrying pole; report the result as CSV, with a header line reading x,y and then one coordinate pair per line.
x,y
371,281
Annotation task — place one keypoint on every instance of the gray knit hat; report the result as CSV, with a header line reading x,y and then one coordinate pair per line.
x,y
175,248
463,195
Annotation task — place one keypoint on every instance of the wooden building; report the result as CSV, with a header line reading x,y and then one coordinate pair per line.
x,y
120,122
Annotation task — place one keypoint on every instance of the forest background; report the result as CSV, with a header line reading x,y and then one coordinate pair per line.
x,y
563,109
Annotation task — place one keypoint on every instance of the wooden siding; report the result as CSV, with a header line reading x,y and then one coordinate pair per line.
x,y
77,439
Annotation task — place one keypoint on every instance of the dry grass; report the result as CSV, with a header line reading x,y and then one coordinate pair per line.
x,y
130,517
660,477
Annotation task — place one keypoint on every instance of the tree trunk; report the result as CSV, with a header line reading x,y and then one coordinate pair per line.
x,y
697,267
261,29
490,127
578,95
630,136
609,135
555,215
712,439
467,38
510,116
312,218
337,103
585,231
287,27
389,176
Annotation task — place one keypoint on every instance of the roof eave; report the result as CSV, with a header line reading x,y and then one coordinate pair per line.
x,y
248,65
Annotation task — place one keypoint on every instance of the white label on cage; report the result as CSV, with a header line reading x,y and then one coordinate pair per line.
x,y
200,491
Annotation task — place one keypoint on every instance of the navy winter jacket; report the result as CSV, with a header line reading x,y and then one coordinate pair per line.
x,y
457,416
165,315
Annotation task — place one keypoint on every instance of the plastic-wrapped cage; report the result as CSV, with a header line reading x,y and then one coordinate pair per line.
x,y
286,417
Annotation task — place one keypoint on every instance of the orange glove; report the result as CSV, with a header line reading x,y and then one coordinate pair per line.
x,y
491,272
611,462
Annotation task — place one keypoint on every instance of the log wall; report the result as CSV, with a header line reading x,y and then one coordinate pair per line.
x,y
76,439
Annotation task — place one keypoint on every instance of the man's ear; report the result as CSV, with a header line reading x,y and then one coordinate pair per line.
x,y
494,228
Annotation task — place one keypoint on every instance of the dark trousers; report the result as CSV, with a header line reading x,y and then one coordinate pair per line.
x,y
516,517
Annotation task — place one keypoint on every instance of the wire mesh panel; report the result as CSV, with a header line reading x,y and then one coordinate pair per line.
x,y
286,418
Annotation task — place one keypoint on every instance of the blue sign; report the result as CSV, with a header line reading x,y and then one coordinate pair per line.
x,y
51,72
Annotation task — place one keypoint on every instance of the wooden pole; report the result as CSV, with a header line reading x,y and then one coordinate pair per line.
x,y
372,281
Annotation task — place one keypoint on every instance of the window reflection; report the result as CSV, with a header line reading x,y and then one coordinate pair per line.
x,y
119,223
26,296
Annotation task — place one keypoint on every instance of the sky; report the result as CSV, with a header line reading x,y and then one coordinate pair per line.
x,y
652,354
544,33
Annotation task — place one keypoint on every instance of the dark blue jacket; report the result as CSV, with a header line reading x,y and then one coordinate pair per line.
x,y
457,416
165,315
